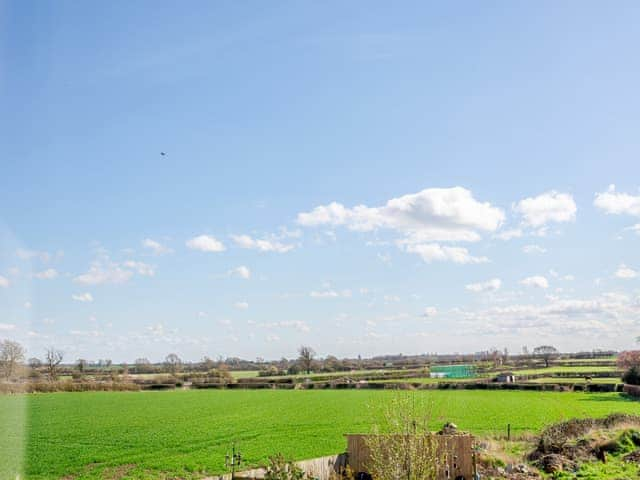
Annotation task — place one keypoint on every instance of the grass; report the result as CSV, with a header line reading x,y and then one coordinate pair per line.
x,y
573,369
572,380
187,433
244,373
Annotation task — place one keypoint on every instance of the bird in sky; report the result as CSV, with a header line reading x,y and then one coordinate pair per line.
x,y
162,153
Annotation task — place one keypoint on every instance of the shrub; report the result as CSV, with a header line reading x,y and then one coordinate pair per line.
x,y
632,376
281,469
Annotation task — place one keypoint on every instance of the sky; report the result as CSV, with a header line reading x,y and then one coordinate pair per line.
x,y
364,178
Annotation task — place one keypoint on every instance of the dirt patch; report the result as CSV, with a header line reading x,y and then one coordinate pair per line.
x,y
563,446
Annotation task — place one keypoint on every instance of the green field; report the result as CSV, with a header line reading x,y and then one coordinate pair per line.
x,y
564,369
187,433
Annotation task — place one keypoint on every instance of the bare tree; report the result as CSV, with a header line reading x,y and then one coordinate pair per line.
x,y
306,355
172,362
81,364
547,352
52,359
11,355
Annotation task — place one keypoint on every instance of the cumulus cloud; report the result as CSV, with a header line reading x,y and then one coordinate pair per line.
x,y
155,247
7,327
100,273
546,208
240,272
205,243
4,282
82,297
424,220
533,249
241,305
262,245
431,252
105,271
596,317
489,286
537,281
434,214
616,203
625,272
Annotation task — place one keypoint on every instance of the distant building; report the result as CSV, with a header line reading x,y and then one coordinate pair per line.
x,y
506,377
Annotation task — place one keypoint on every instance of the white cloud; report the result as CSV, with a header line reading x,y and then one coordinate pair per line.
x,y
614,203
156,247
430,252
241,305
104,271
509,234
537,281
489,286
545,208
4,282
205,243
434,214
27,305
295,324
240,272
140,267
83,297
25,254
272,338
596,318
262,245
7,327
330,294
48,274
530,249
625,272
430,312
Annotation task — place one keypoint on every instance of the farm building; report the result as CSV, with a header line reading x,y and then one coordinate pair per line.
x,y
506,377
453,371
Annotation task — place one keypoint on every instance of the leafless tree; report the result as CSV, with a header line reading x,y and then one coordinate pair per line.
x,y
81,364
547,352
52,359
306,356
172,362
11,355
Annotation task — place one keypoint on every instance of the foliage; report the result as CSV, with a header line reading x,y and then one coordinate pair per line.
x,y
547,352
629,359
632,376
185,434
402,446
281,469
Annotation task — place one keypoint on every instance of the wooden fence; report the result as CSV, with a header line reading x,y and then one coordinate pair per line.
x,y
456,452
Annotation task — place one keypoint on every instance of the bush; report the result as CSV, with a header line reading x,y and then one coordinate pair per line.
x,y
632,376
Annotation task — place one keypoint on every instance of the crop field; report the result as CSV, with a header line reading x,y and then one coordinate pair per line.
x,y
187,433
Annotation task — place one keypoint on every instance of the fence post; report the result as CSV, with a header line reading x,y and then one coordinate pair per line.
x,y
509,431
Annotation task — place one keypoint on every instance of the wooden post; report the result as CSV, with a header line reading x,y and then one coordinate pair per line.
x,y
509,431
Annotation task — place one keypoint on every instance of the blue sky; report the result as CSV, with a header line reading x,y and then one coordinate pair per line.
x,y
364,178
